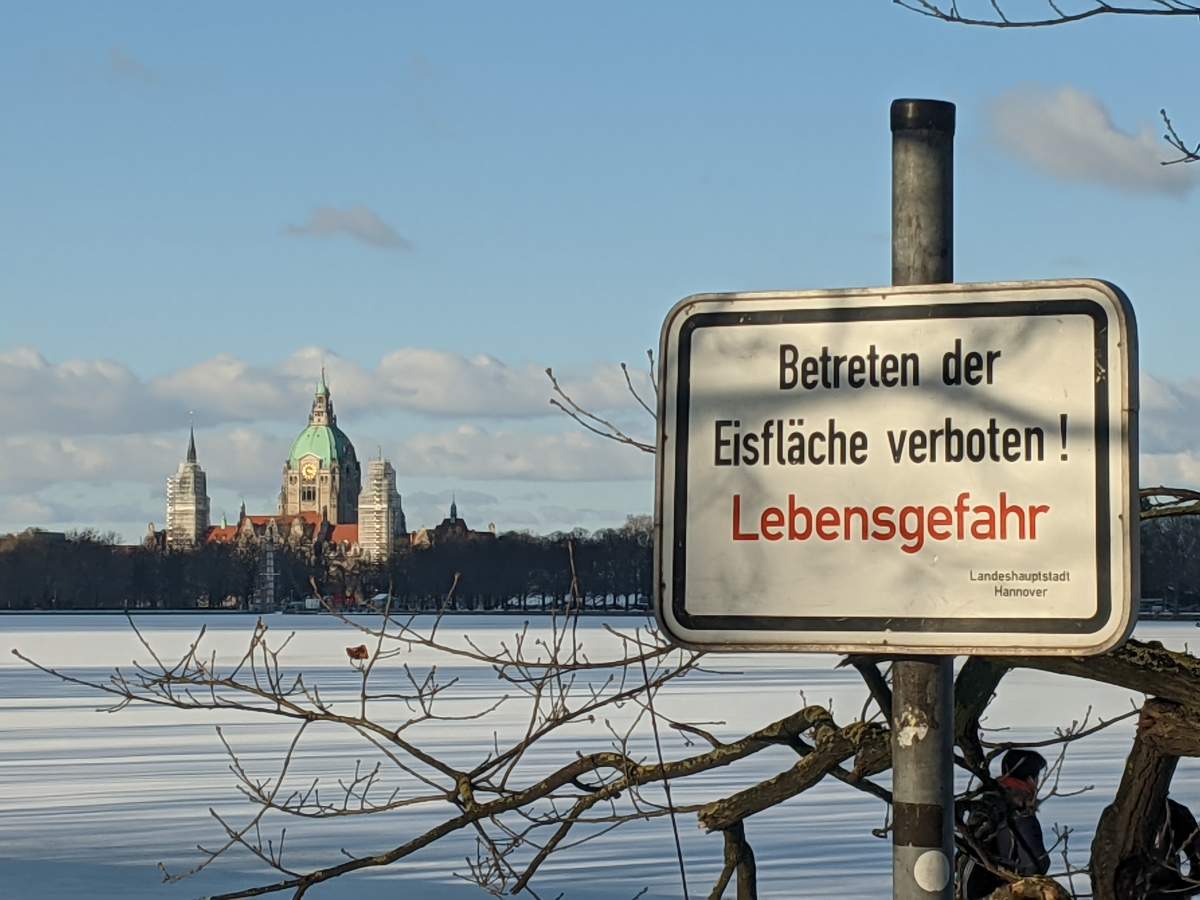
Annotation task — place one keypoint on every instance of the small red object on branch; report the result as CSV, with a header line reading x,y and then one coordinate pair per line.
x,y
359,652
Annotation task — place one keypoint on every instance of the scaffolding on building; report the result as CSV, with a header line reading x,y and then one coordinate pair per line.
x,y
266,581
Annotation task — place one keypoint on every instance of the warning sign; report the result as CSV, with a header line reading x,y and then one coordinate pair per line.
x,y
946,469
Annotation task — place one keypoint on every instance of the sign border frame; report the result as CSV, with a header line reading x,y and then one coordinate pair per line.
x,y
965,300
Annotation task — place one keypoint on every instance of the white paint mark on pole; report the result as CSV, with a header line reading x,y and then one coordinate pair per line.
x,y
911,727
931,871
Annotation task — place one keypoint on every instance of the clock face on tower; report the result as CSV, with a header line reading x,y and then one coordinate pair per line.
x,y
308,470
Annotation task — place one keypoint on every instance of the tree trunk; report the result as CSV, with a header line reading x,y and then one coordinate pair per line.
x,y
1124,855
739,861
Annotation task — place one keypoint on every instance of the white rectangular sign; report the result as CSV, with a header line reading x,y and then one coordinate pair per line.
x,y
936,469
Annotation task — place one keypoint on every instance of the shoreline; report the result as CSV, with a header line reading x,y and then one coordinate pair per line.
x,y
248,612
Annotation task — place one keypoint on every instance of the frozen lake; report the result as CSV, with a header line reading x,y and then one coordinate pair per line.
x,y
90,802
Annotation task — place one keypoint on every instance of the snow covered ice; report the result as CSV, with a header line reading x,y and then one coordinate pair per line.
x,y
90,802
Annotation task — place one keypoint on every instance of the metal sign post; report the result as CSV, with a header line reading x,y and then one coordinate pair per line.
x,y
922,470
922,687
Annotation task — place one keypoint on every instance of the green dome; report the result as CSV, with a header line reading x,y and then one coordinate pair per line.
x,y
326,442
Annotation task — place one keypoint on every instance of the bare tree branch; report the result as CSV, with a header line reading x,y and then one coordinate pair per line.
x,y
948,12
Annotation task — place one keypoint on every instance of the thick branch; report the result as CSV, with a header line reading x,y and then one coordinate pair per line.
x,y
973,690
875,682
1143,666
632,775
1162,502
1036,888
867,743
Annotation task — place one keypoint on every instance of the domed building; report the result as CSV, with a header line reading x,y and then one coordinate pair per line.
x,y
324,506
322,474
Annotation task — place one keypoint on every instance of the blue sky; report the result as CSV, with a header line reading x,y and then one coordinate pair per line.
x,y
203,202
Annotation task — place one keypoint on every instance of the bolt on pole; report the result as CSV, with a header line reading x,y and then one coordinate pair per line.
x,y
922,687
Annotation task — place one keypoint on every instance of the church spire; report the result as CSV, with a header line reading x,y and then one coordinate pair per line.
x,y
187,500
322,408
453,508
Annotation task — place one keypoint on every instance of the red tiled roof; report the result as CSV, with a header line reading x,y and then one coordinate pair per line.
x,y
282,521
310,518
226,534
344,533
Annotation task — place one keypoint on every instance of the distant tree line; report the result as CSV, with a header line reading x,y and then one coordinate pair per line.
x,y
609,569
1171,562
89,570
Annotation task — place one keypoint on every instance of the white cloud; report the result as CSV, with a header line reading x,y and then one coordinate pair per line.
x,y
432,381
1169,432
1180,469
124,473
76,396
519,519
243,457
475,453
356,222
425,508
80,397
575,516
83,437
442,499
227,389
1170,415
1069,134
28,509
117,480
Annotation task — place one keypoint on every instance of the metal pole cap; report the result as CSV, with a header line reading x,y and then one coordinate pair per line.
x,y
923,115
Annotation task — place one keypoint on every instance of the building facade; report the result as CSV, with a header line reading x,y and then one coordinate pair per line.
x,y
322,474
326,508
187,501
450,530
380,514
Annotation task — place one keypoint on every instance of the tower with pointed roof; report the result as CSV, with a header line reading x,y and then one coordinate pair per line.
x,y
322,475
454,527
187,501
380,514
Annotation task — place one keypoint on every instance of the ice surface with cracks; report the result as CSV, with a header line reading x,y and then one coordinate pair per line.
x,y
90,802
